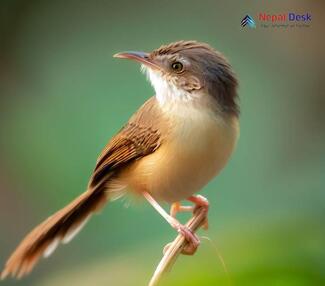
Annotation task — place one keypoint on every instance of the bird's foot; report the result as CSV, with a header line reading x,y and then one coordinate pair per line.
x,y
192,239
201,202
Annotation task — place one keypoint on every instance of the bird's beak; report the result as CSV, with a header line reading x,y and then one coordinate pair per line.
x,y
140,57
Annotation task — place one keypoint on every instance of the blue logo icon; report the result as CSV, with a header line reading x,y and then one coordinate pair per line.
x,y
248,21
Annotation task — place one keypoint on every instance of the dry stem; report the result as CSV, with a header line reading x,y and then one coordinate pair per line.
x,y
176,247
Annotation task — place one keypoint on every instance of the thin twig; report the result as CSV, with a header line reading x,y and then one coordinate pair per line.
x,y
176,247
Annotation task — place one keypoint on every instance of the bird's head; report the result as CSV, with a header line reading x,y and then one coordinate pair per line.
x,y
189,70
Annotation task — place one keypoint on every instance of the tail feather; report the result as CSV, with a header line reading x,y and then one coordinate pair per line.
x,y
60,227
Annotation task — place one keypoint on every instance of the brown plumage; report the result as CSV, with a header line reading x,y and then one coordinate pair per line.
x,y
175,47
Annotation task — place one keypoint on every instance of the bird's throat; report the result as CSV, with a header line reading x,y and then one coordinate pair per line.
x,y
167,92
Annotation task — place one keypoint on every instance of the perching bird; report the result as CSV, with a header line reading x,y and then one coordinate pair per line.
x,y
170,148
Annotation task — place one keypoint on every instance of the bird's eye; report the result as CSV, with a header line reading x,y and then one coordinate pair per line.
x,y
177,67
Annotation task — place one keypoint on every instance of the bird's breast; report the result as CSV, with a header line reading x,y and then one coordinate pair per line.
x,y
195,149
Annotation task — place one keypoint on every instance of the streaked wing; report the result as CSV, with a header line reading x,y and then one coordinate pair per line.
x,y
137,139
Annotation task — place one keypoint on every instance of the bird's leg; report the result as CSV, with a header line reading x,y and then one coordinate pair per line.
x,y
191,238
177,208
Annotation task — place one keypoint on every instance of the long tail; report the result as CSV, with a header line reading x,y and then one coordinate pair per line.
x,y
58,228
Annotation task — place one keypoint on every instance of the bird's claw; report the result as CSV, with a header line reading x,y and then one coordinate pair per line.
x,y
192,239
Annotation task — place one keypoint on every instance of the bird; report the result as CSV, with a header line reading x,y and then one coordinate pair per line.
x,y
169,149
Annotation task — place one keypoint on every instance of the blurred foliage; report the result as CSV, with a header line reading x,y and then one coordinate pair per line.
x,y
62,96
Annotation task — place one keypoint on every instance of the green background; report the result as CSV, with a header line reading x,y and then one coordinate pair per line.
x,y
62,96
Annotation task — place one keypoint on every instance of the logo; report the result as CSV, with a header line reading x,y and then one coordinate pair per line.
x,y
248,21
278,20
